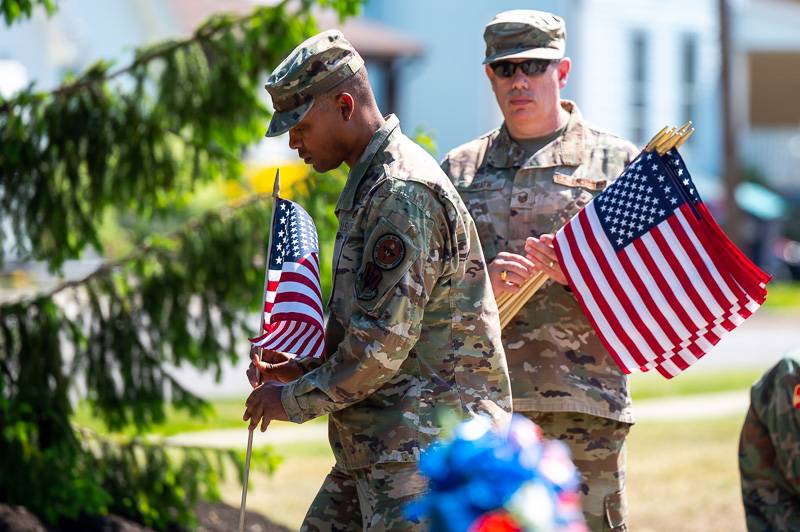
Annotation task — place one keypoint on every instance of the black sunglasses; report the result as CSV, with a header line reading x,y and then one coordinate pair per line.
x,y
529,67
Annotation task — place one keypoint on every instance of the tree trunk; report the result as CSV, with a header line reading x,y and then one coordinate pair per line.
x,y
731,167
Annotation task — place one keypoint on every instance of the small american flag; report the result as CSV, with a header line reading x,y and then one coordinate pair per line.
x,y
293,321
656,276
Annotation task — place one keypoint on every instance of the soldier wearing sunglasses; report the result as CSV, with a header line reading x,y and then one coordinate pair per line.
x,y
521,183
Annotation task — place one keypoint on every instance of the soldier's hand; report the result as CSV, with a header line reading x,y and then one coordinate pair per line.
x,y
268,365
253,375
509,271
543,255
264,405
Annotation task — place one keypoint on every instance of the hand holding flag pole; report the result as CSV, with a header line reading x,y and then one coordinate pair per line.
x,y
292,323
509,304
656,276
276,190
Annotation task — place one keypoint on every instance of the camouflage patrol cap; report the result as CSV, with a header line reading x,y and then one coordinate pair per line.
x,y
316,66
524,34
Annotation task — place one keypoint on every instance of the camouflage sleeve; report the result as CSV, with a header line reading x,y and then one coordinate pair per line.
x,y
309,363
398,272
769,451
333,336
631,151
445,166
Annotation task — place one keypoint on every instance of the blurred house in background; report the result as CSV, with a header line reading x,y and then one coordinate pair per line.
x,y
638,65
768,81
45,49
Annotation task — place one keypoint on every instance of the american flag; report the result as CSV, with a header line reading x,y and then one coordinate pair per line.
x,y
293,321
656,276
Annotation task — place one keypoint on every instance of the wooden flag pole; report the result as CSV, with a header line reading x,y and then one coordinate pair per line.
x,y
512,305
276,190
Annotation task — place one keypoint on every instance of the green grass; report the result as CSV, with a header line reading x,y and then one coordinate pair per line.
x,y
227,413
654,386
681,475
784,295
221,414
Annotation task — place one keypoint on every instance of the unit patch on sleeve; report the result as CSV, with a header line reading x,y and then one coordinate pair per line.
x,y
389,251
369,279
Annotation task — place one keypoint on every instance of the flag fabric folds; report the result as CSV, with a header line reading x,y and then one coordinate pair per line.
x,y
656,276
293,321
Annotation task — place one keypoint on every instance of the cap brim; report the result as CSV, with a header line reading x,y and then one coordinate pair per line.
x,y
531,53
283,121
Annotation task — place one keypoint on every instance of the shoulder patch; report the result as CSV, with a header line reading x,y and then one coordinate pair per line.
x,y
796,397
369,279
389,251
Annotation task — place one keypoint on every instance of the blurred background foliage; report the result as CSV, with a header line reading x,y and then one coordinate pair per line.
x,y
141,164
14,10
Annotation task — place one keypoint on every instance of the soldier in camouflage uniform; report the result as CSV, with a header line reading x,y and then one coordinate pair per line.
x,y
769,450
521,183
413,336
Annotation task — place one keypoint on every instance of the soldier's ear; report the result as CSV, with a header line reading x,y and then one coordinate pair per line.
x,y
489,72
346,106
564,67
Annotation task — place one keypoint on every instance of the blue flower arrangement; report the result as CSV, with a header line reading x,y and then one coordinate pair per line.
x,y
489,480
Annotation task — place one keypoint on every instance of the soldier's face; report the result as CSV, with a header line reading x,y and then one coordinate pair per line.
x,y
527,98
317,137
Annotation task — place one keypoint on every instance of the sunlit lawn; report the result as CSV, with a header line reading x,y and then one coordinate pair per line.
x,y
654,386
681,476
783,295
684,476
286,496
227,413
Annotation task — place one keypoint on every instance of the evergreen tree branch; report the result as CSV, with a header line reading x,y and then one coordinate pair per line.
x,y
155,246
97,74
134,140
184,115
14,10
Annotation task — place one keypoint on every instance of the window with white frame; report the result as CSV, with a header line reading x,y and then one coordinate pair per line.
x,y
639,86
689,77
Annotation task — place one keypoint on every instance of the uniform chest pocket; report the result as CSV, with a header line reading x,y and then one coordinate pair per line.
x,y
551,198
480,182
481,193
485,195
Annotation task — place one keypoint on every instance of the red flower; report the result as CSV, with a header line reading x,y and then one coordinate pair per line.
x,y
495,522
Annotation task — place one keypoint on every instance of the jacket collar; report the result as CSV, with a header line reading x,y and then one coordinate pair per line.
x,y
380,140
566,150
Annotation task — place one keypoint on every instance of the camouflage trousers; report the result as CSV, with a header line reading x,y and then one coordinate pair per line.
x,y
768,466
598,451
366,499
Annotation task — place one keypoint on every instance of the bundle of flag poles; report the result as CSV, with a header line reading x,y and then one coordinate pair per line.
x,y
509,304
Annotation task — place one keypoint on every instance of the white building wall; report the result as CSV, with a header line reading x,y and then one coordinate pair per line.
x,y
767,26
605,60
446,90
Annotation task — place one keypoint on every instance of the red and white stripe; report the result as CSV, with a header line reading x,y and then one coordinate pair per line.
x,y
661,302
293,317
